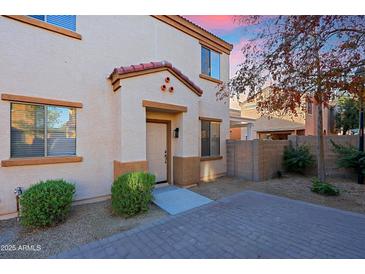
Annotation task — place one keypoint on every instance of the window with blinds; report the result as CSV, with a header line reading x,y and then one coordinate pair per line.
x,y
210,138
41,130
64,21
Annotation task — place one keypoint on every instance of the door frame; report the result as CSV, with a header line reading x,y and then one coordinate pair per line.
x,y
168,139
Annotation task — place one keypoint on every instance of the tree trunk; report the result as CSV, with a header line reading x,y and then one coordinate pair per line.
x,y
320,145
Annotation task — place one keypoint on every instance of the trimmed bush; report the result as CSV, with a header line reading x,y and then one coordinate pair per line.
x,y
349,157
132,193
297,159
46,203
324,188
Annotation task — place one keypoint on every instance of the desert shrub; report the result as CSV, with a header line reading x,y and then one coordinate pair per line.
x,y
349,157
132,193
297,159
46,203
324,188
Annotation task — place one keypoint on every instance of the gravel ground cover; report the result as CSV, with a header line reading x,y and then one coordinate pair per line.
x,y
86,223
352,197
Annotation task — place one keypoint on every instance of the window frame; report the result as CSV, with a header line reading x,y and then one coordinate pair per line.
x,y
48,22
45,118
210,156
309,107
44,25
209,76
12,162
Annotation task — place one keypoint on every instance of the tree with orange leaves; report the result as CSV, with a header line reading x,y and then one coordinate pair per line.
x,y
301,58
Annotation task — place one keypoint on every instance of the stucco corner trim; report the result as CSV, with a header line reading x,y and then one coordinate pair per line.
x,y
44,25
38,100
206,77
40,161
210,158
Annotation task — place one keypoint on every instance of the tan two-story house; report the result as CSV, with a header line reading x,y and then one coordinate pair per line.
x,y
88,98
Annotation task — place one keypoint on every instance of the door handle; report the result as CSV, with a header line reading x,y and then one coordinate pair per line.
x,y
165,156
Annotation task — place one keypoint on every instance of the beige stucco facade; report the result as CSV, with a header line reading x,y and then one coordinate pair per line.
x,y
111,125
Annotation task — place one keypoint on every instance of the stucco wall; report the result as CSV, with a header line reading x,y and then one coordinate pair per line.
x,y
37,62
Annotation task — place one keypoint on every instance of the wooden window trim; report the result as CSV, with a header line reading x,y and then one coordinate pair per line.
x,y
210,158
38,100
210,119
40,161
209,78
44,25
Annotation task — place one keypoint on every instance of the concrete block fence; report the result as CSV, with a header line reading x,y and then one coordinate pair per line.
x,y
260,160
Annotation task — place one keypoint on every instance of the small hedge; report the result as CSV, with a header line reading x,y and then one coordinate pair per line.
x,y
324,188
349,157
132,193
297,159
46,203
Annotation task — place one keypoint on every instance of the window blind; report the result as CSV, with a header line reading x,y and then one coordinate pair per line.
x,y
27,130
64,21
38,130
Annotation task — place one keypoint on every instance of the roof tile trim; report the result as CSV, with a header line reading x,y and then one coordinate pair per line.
x,y
144,68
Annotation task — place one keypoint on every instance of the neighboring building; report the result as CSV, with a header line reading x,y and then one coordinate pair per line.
x,y
246,123
329,118
274,128
88,98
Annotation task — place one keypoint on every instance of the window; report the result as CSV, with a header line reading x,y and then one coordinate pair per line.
x,y
42,130
210,63
210,138
309,107
64,21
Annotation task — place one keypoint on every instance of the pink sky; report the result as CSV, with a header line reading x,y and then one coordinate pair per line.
x,y
224,27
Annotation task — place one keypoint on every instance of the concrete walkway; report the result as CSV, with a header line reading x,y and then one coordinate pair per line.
x,y
246,225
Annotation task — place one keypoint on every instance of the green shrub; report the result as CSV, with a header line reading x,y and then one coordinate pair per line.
x,y
132,193
46,203
297,159
324,188
349,157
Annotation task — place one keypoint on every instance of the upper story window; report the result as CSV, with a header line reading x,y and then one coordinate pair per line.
x,y
42,130
210,63
64,21
309,107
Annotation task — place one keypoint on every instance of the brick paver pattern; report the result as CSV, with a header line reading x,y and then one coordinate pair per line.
x,y
246,225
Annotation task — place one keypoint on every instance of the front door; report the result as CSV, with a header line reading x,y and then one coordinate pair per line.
x,y
157,150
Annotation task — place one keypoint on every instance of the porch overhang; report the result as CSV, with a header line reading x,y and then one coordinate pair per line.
x,y
163,107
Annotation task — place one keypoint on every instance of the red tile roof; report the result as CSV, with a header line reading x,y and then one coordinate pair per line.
x,y
124,71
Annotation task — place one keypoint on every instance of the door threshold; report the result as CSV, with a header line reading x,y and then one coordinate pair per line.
x,y
162,185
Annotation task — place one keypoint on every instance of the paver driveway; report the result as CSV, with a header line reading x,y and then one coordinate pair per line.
x,y
246,225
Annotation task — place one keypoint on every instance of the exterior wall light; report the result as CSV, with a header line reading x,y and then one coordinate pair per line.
x,y
176,132
171,89
163,87
167,80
